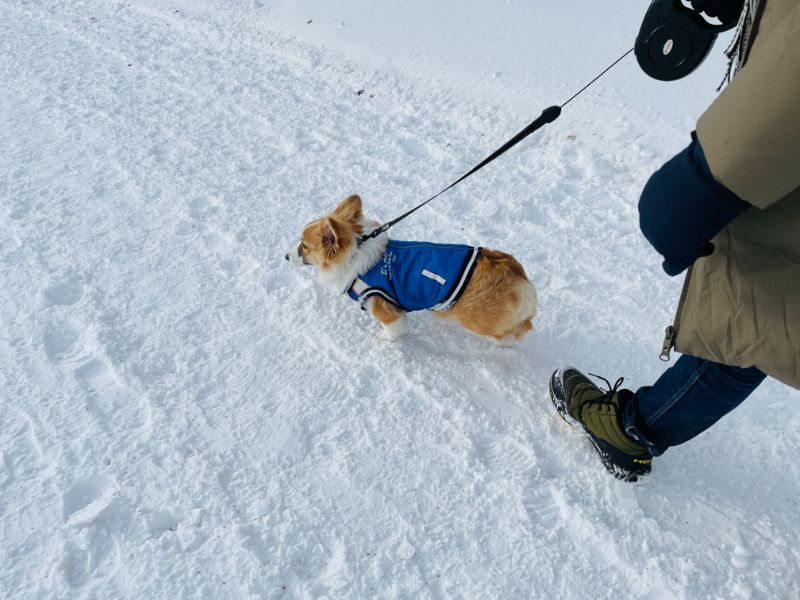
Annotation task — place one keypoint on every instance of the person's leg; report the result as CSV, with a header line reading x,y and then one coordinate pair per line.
x,y
686,400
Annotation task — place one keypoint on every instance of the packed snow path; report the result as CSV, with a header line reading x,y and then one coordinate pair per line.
x,y
183,416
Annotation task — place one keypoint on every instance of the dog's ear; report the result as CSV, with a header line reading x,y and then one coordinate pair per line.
x,y
349,209
331,231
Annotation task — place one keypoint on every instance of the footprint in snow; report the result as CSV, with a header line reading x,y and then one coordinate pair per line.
x,y
62,342
67,291
112,402
504,457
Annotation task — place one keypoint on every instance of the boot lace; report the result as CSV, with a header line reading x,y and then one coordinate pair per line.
x,y
604,401
612,389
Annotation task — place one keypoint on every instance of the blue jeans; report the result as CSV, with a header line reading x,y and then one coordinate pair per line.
x,y
687,399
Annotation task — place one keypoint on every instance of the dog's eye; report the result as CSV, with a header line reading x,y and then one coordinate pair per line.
x,y
304,246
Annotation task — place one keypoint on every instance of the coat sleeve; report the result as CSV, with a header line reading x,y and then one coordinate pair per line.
x,y
751,133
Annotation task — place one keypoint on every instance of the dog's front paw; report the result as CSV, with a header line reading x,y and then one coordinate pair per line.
x,y
392,331
389,334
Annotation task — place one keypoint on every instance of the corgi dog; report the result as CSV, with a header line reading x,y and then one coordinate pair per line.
x,y
484,290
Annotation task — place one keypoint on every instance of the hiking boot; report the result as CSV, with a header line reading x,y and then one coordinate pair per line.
x,y
597,413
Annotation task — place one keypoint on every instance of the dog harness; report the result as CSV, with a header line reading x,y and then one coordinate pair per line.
x,y
418,275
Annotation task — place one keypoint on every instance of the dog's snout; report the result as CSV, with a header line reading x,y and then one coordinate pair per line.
x,y
287,256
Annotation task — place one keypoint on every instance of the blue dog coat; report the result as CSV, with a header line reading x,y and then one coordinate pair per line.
x,y
418,275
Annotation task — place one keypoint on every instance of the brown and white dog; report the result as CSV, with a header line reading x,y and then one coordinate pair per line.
x,y
496,298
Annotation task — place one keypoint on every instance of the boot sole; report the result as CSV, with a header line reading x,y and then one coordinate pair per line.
x,y
559,401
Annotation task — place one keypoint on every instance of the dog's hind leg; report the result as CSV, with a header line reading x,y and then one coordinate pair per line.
x,y
522,329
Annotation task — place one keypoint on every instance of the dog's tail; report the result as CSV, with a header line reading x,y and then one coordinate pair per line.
x,y
526,308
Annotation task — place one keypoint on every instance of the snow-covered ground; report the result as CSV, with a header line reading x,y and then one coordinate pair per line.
x,y
184,416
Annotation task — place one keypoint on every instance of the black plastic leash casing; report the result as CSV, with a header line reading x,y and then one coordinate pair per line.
x,y
674,40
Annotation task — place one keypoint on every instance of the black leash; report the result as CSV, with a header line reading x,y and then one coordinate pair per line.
x,y
548,115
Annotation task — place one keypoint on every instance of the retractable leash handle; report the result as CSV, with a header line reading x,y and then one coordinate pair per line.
x,y
675,39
